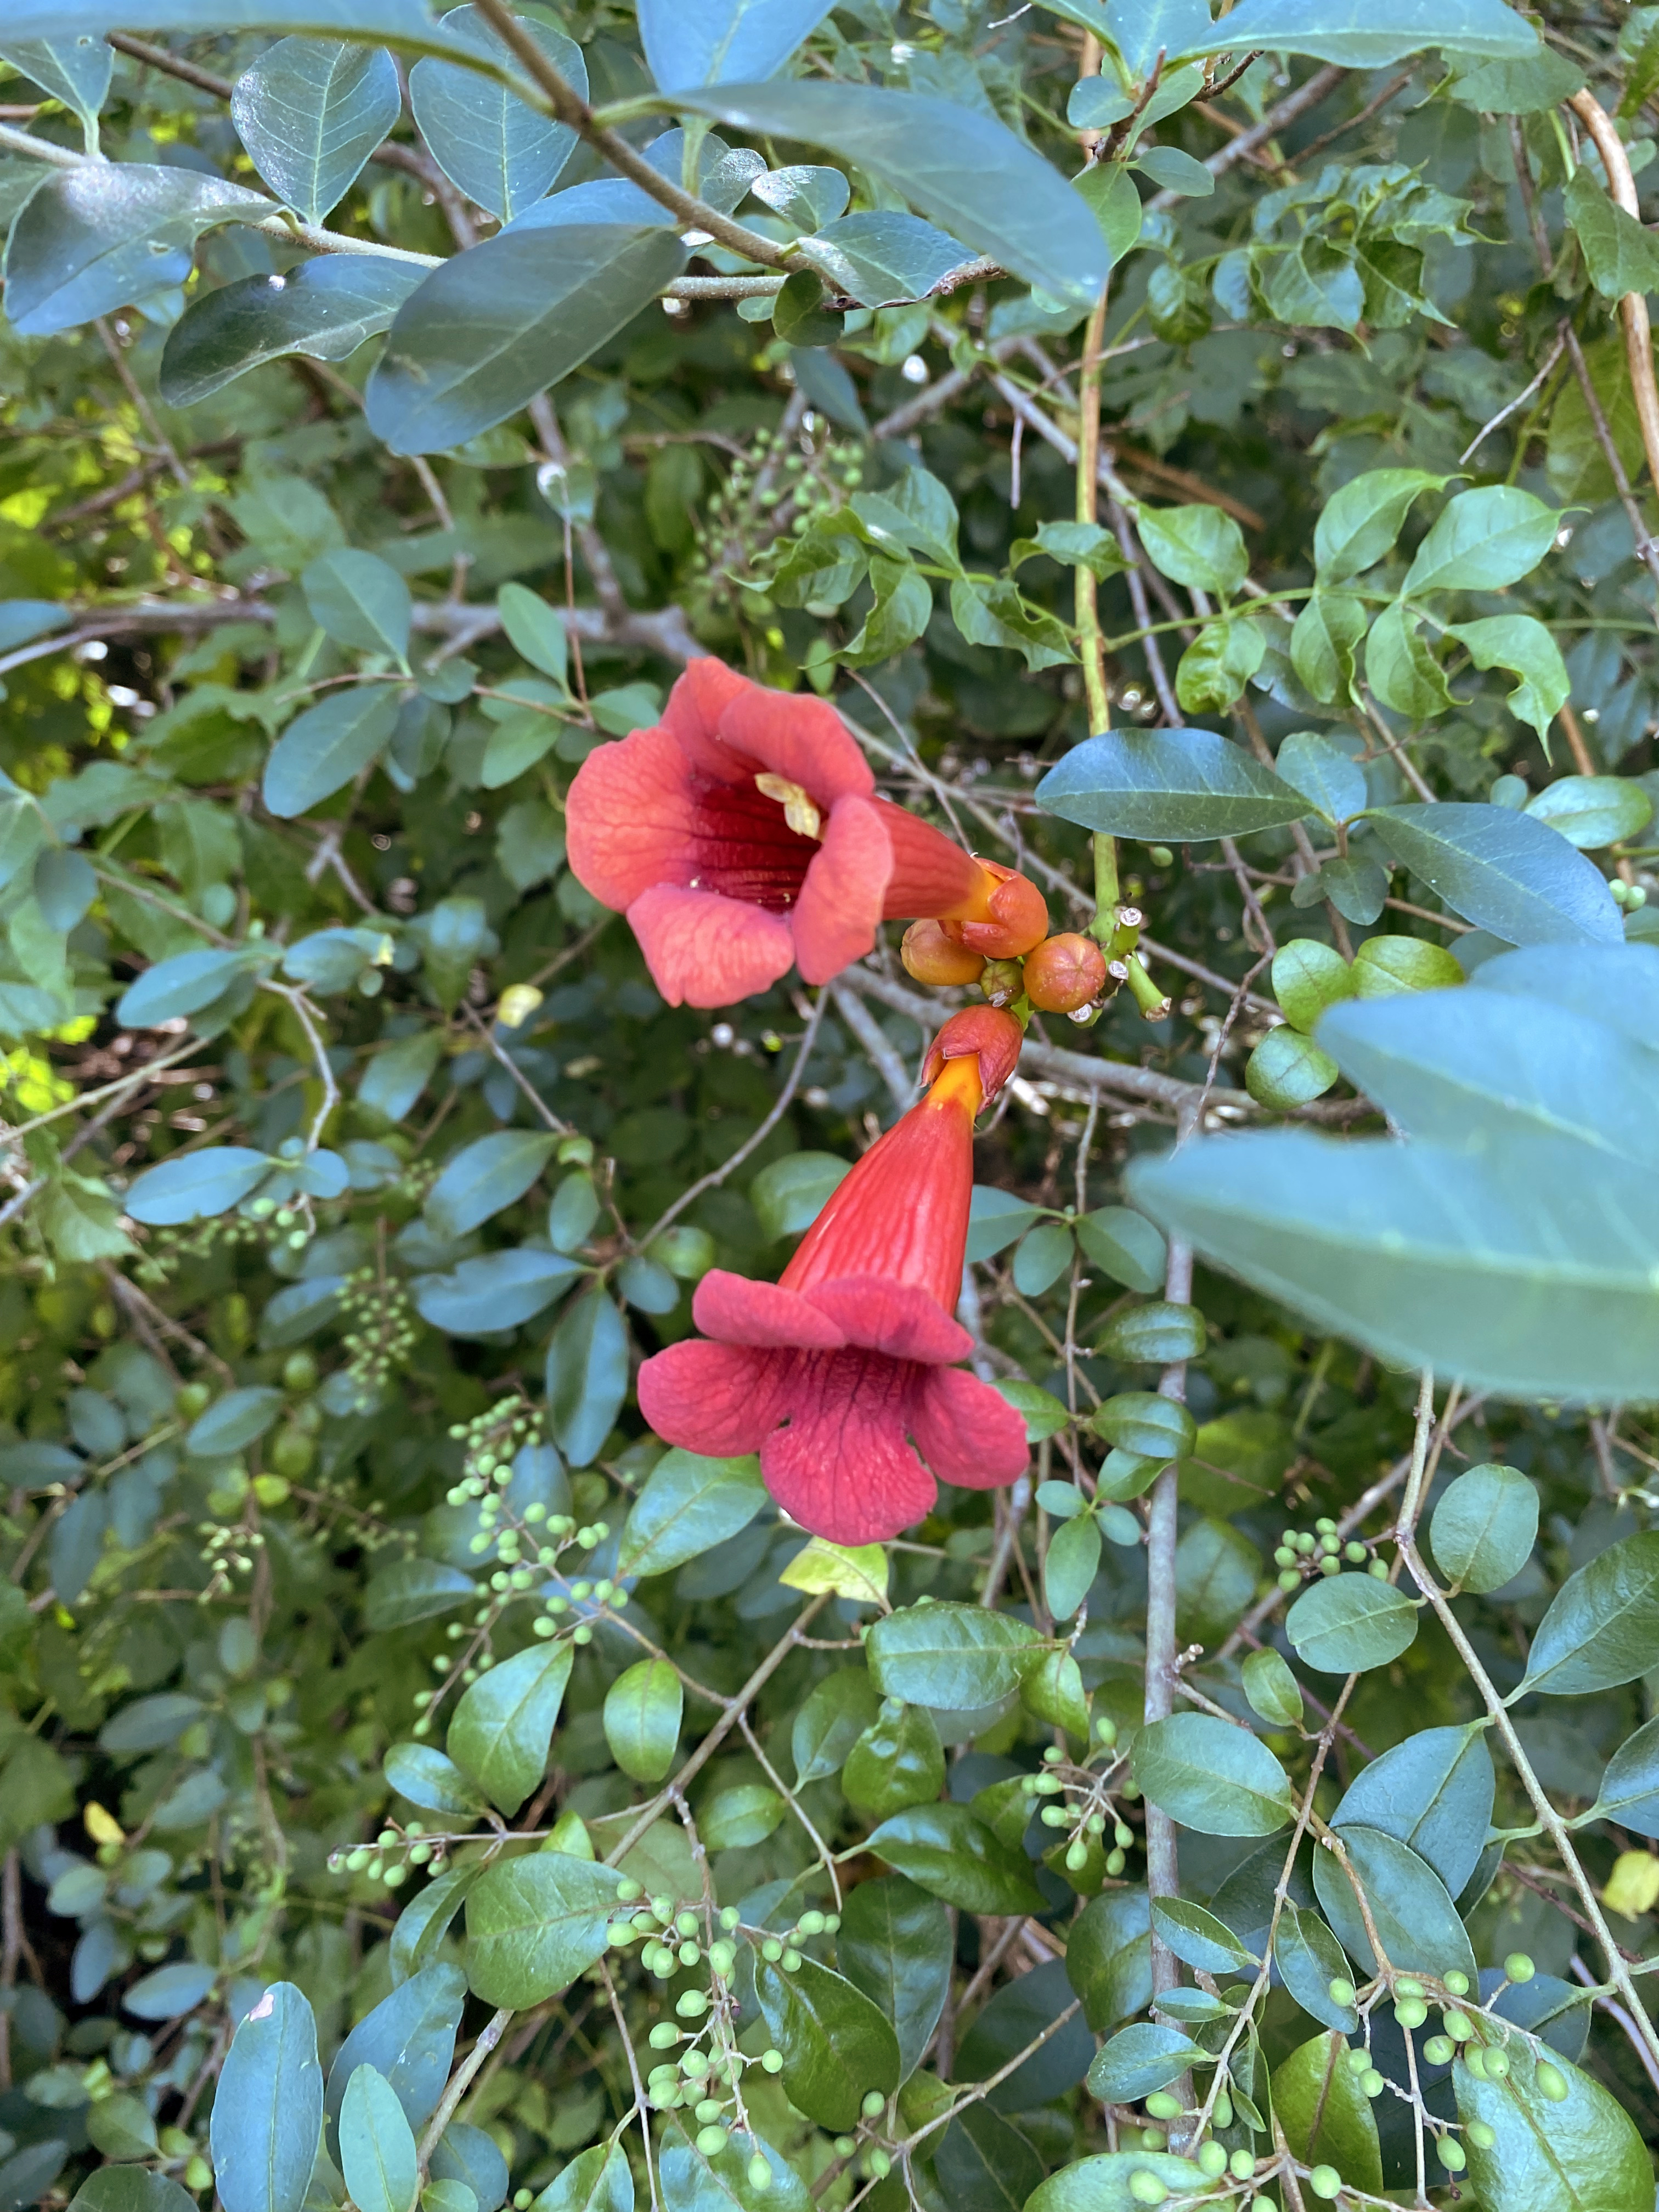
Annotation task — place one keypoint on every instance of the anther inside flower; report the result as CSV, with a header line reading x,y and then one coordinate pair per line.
x,y
744,835
842,1376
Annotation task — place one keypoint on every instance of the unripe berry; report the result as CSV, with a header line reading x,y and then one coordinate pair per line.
x,y
1212,2159
873,2103
1481,2134
1146,2188
1451,2153
1241,2165
1440,2050
1325,2181
1372,2082
933,957
1163,2106
1519,1967
760,2173
1064,973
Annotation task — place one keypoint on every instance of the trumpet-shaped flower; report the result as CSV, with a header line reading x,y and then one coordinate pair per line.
x,y
743,835
843,1376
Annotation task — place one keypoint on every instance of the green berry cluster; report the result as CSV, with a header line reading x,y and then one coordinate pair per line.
x,y
393,1854
772,494
1079,1800
382,1333
1322,1551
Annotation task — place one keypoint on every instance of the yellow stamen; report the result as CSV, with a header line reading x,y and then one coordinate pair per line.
x,y
798,810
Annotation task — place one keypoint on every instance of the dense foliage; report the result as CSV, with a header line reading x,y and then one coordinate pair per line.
x,y
1209,469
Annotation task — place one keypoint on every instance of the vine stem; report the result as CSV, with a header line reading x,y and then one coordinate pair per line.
x,y
1633,307
460,2081
1163,1868
1618,1974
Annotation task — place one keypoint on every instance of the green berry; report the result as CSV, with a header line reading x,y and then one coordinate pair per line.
x,y
711,2141
1326,2182
1342,1992
873,2103
1146,2188
1519,1967
1410,2012
1483,2137
1372,2082
1551,2082
1161,2106
760,2173
1457,1982
772,2062
1440,2050
1212,2159
1451,2153
1241,2165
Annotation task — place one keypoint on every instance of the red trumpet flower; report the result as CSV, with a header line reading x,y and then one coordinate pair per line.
x,y
743,835
835,1372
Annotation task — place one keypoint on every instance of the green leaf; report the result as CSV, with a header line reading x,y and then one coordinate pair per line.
x,y
1286,1070
1578,2154
995,1219
194,1185
836,2045
698,2181
311,112
1109,1957
1629,1795
1071,1564
688,1506
324,308
1143,1422
953,1657
324,749
1502,870
1325,776
235,1420
119,2188
958,166
740,1817
894,1944
789,1195
268,2109
1309,1958
1348,1624
377,2147
1272,1689
405,23
1434,1791
598,2181
396,1075
1125,1245
880,257
1139,2060
423,1923
1484,1528
1208,1775
897,1761
1360,521
945,1851
1525,646
1044,1414
1043,1258
495,147
1179,786
1325,637
95,238
534,1924
830,1721
484,1176
1216,1570
1619,254
1526,86
427,1779
359,601
1593,811
1216,665
1602,1626
534,629
1200,1938
586,1376
495,326
1199,546
504,1725
495,1290
724,41
1350,32
1499,1271
1327,2116
1414,1917
1481,541
184,985
1105,2183
643,1711
1307,978
410,2038
75,69
1388,967
1400,667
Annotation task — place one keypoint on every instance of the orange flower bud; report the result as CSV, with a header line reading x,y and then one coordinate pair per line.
x,y
985,1033
1003,919
1065,973
931,957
